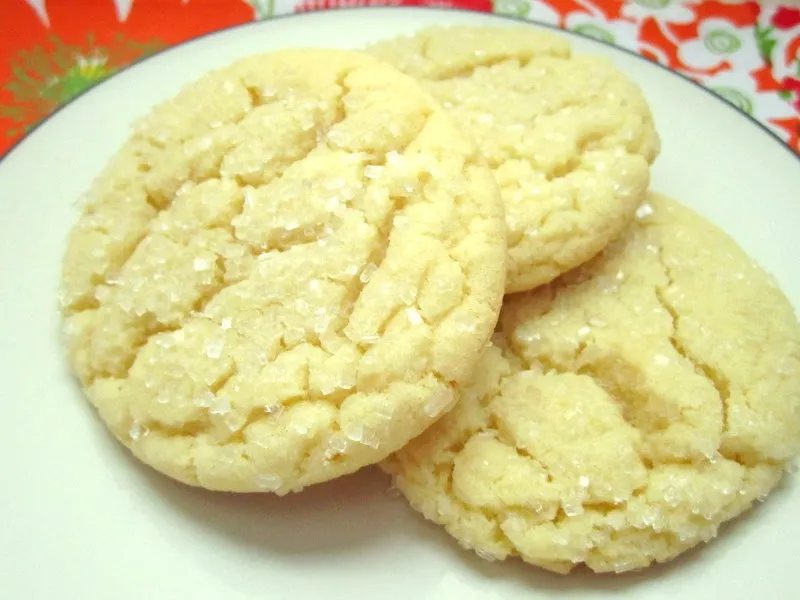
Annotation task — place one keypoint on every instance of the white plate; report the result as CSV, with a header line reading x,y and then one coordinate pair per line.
x,y
83,520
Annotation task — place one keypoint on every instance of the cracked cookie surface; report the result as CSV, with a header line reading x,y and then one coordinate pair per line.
x,y
625,411
569,138
284,273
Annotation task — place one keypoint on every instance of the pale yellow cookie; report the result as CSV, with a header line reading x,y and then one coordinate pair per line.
x,y
569,138
284,273
625,411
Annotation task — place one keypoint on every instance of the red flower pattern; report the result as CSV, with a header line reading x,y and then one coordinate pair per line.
x,y
786,17
46,62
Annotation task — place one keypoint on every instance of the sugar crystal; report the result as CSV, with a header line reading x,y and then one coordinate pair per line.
x,y
299,428
438,403
466,324
400,221
330,340
168,340
409,187
661,360
221,406
393,158
370,339
533,339
368,272
301,306
373,171
333,203
413,316
672,496
234,421
213,347
354,431
269,482
273,410
649,518
206,399
327,387
347,382
307,123
485,555
532,231
616,520
644,211
608,285
336,447
101,293
408,294
137,431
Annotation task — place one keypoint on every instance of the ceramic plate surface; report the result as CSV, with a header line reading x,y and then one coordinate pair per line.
x,y
84,520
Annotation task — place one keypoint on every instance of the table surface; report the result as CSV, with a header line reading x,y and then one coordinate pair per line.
x,y
747,52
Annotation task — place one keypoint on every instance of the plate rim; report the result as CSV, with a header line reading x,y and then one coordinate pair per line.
x,y
388,8
653,582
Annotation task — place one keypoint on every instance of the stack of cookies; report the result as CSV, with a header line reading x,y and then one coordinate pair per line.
x,y
441,255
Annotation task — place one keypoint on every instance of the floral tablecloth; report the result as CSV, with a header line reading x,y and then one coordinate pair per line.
x,y
748,53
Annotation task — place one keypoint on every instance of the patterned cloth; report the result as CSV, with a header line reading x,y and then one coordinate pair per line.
x,y
52,50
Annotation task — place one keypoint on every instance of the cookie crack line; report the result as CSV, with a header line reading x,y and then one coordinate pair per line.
x,y
487,63
89,210
578,364
492,424
720,384
205,299
508,440
493,517
206,424
576,160
137,346
256,101
384,229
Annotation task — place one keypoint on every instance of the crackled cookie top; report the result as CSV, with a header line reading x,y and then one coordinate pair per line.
x,y
625,411
284,273
569,138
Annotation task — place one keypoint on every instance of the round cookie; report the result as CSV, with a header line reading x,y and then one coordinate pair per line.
x,y
624,412
569,138
284,273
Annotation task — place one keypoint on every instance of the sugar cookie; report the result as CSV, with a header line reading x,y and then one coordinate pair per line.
x,y
626,411
284,273
569,138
